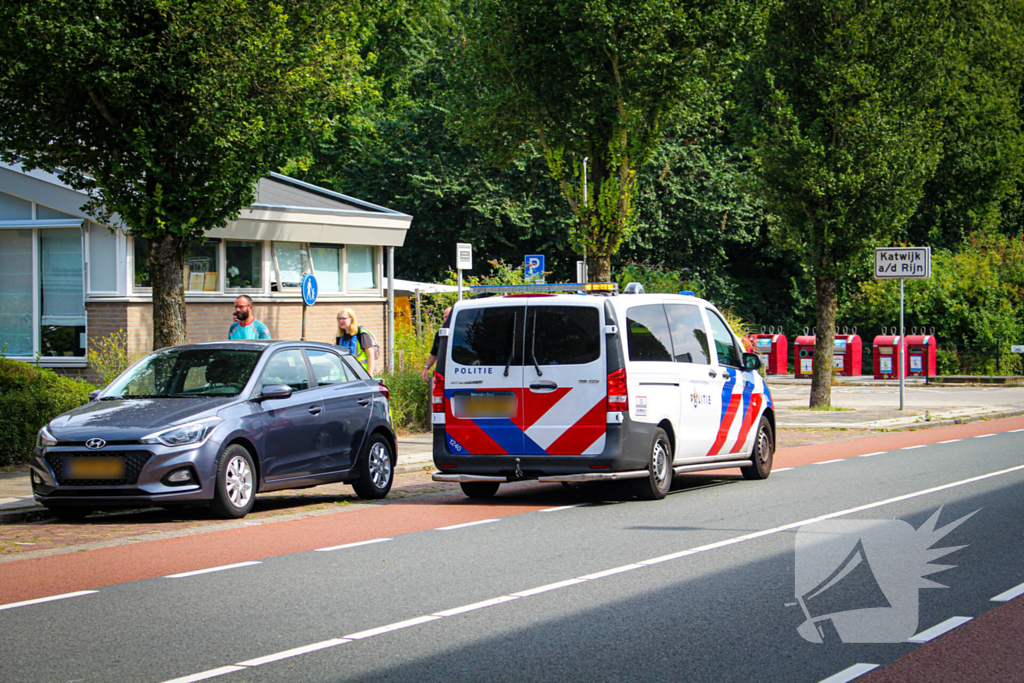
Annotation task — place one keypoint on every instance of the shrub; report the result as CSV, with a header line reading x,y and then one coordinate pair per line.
x,y
29,398
410,401
109,356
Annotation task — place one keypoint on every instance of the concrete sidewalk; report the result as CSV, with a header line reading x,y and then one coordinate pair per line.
x,y
859,403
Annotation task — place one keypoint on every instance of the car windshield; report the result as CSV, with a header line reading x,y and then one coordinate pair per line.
x,y
181,373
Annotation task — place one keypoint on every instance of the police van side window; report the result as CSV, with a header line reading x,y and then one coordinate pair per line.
x,y
689,339
487,335
728,354
647,334
564,335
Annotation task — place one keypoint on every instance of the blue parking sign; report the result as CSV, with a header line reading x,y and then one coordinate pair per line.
x,y
534,265
309,290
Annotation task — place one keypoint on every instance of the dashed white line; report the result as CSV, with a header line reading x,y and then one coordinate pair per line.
x,y
826,462
850,673
1006,596
910,448
565,507
391,627
1014,431
937,630
983,436
951,441
294,652
871,455
351,545
25,603
463,526
211,569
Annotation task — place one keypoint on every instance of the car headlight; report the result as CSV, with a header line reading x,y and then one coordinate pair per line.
x,y
45,438
193,433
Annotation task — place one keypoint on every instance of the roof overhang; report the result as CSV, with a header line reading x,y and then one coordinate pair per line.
x,y
300,224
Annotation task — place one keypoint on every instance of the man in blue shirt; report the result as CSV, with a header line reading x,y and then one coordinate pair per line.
x,y
246,326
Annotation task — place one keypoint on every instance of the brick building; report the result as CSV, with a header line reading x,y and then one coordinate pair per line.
x,y
66,281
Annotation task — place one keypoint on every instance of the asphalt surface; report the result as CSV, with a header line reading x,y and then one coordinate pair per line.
x,y
564,585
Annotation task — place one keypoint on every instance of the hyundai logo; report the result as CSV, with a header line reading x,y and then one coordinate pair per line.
x,y
95,444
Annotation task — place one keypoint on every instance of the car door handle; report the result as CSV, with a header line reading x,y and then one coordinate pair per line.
x,y
712,373
315,410
364,401
543,386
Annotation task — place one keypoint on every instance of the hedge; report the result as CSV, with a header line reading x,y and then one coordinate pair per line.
x,y
29,398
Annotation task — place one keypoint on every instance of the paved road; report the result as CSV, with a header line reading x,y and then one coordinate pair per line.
x,y
541,584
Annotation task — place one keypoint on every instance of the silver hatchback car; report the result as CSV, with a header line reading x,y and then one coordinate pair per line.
x,y
213,424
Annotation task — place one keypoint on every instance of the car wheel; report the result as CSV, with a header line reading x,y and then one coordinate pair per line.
x,y
236,484
764,449
480,489
376,469
659,469
69,514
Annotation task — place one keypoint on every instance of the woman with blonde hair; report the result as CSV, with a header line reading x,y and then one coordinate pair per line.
x,y
357,339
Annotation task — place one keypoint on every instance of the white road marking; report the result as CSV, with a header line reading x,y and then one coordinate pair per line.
x,y
851,672
1014,431
869,455
937,630
24,603
910,448
826,462
211,569
565,507
351,545
295,652
212,673
1006,596
463,526
848,674
951,441
391,627
983,436
476,605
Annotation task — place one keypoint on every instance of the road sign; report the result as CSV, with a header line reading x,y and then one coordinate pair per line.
x,y
903,263
309,290
463,256
1017,349
534,266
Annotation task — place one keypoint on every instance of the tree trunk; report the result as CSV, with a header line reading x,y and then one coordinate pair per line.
x,y
824,341
166,263
600,268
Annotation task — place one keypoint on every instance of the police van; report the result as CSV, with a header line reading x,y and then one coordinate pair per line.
x,y
604,386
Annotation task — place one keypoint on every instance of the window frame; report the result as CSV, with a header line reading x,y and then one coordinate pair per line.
x,y
734,342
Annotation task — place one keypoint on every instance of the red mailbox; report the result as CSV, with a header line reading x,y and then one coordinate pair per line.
x,y
920,355
846,354
886,356
803,356
774,352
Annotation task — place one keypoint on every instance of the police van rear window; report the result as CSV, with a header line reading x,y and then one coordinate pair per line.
x,y
487,335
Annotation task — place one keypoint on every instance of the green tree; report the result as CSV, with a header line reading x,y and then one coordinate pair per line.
x,y
845,119
594,83
168,111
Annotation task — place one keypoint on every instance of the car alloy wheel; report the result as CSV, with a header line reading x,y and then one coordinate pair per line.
x,y
379,465
238,481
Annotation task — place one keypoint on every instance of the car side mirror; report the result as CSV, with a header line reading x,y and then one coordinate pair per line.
x,y
271,391
751,361
93,395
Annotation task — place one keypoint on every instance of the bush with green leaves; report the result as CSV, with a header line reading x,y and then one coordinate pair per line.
x,y
29,398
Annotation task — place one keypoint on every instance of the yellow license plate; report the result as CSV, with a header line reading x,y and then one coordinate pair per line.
x,y
485,405
93,468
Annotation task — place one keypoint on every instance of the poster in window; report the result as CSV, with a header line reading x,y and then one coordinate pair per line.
x,y
210,281
195,283
185,275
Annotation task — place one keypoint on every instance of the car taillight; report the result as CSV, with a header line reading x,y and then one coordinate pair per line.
x,y
384,390
437,394
618,395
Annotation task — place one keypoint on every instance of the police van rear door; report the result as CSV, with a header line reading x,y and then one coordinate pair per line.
x,y
564,377
484,378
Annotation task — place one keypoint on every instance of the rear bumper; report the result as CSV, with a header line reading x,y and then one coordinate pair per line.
x,y
625,455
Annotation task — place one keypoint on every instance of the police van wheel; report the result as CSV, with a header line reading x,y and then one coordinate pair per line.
x,y
764,449
659,470
480,489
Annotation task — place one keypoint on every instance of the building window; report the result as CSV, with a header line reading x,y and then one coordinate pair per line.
x,y
140,261
291,264
61,295
16,285
327,264
102,259
244,264
201,267
362,267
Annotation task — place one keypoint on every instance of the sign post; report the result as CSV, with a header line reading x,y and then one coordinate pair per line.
x,y
309,291
903,263
463,261
534,267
